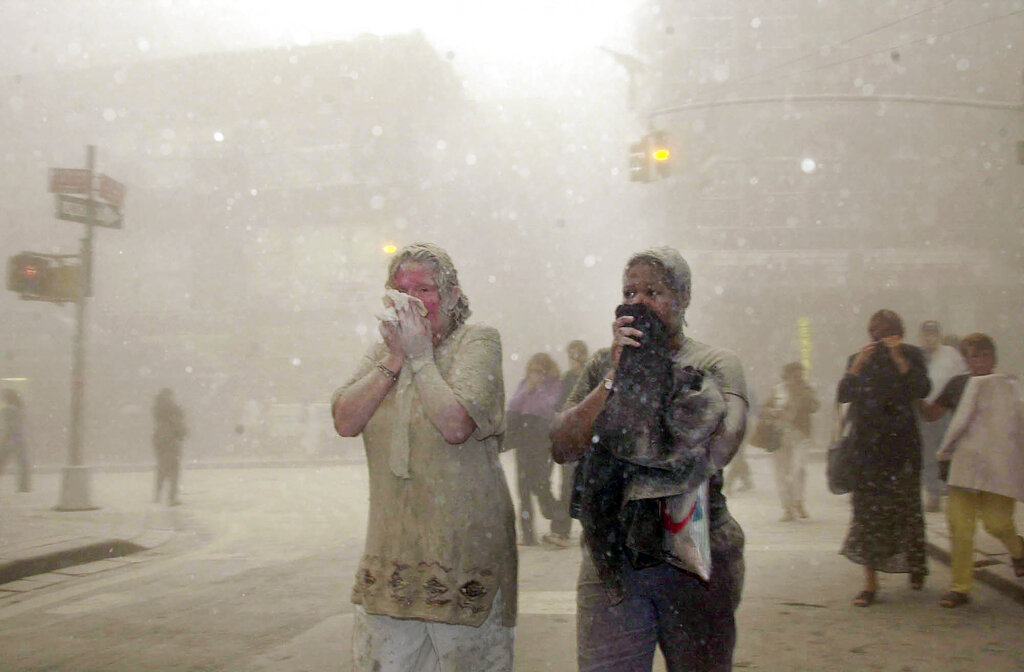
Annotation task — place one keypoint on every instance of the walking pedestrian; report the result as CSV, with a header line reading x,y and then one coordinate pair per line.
x,y
944,362
169,432
983,459
882,382
436,585
528,420
691,620
791,405
561,522
12,439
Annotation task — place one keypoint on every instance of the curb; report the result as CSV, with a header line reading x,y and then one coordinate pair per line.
x,y
1011,589
139,467
66,556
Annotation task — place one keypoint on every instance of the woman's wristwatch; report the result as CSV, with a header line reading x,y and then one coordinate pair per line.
x,y
608,382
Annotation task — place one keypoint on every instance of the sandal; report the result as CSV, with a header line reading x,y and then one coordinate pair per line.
x,y
865,598
953,599
916,581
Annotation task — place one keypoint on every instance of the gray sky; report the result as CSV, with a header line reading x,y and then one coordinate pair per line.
x,y
495,43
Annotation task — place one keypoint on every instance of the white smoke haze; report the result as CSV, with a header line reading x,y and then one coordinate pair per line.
x,y
827,162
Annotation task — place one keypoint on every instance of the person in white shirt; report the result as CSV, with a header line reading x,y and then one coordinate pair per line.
x,y
943,362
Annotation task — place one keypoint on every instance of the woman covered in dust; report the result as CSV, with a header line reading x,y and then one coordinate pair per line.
x,y
882,382
436,586
530,410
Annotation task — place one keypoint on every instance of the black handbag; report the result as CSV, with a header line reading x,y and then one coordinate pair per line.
x,y
842,466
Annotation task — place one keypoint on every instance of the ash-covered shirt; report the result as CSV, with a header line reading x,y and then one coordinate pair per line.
x,y
721,364
441,543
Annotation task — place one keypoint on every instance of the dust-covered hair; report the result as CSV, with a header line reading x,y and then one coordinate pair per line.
x,y
454,304
677,271
674,268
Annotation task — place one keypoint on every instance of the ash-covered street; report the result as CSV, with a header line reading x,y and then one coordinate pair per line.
x,y
257,571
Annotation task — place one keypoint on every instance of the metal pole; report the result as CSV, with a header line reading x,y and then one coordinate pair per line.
x,y
74,492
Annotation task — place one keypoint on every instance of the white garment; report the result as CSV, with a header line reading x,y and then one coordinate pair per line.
x,y
395,301
790,469
386,644
985,439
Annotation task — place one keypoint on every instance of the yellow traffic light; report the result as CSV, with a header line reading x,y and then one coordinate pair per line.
x,y
390,249
661,154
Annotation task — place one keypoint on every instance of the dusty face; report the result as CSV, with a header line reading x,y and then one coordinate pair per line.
x,y
930,340
577,355
416,278
980,361
645,283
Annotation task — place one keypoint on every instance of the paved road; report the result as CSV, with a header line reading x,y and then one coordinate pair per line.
x,y
257,579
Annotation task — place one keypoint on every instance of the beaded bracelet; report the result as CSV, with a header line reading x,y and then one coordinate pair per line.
x,y
387,372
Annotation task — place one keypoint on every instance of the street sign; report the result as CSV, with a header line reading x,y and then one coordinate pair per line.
x,y
111,190
69,181
75,209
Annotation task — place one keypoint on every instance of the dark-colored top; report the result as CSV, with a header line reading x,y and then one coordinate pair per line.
x,y
569,379
168,425
883,414
953,392
722,365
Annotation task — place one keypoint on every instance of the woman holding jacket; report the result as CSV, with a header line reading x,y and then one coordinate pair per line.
x,y
882,383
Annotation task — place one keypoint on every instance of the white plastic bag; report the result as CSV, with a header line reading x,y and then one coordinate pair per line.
x,y
687,531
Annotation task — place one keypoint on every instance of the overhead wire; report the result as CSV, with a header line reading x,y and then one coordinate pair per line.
x,y
889,49
732,84
820,49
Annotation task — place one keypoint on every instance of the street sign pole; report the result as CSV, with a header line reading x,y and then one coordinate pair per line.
x,y
76,477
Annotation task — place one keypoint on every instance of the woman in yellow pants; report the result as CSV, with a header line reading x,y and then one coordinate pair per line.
x,y
982,459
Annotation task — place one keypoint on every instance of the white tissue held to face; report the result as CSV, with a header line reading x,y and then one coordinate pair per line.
x,y
395,301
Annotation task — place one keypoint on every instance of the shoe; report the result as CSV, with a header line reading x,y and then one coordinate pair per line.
x,y
933,505
787,517
801,512
953,599
528,542
865,598
559,541
916,581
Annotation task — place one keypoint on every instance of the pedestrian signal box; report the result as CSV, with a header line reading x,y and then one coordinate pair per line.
x,y
44,277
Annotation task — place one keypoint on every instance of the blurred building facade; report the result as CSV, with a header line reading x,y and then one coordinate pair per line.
x,y
262,186
833,158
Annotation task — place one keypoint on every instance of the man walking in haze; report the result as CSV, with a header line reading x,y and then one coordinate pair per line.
x,y
168,434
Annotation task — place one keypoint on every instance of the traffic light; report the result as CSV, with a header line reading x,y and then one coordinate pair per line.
x,y
651,158
43,277
27,273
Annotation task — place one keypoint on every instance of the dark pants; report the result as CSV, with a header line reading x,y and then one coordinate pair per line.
x,y
932,434
561,521
533,476
20,453
693,622
168,468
